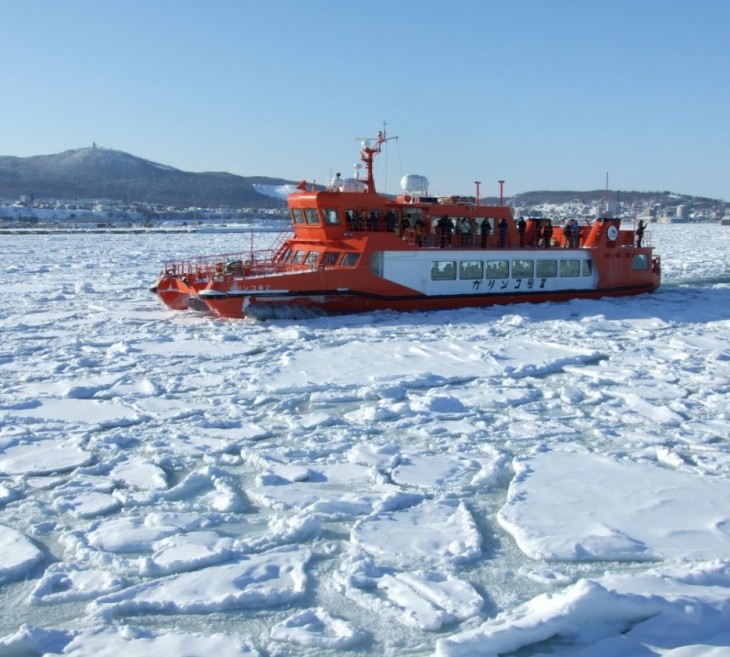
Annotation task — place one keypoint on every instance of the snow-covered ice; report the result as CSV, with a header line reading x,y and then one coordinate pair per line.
x,y
533,479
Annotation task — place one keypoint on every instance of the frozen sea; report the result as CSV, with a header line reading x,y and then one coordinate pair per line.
x,y
530,480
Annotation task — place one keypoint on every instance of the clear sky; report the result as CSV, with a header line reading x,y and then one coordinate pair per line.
x,y
545,94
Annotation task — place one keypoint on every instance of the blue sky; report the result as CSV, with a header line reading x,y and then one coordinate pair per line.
x,y
545,94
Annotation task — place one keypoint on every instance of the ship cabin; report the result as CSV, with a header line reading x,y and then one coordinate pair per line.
x,y
329,217
332,216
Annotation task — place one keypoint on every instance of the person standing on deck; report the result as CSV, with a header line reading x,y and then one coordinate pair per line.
x,y
640,232
503,228
522,227
420,228
568,234
547,234
445,229
484,230
465,230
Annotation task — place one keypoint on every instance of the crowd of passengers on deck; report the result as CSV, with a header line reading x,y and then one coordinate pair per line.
x,y
467,232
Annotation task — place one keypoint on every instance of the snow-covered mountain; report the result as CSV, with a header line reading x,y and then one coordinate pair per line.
x,y
110,174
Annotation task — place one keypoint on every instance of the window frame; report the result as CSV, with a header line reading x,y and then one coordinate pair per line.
x,y
563,269
442,266
542,264
518,265
504,264
312,217
642,259
329,214
469,265
347,257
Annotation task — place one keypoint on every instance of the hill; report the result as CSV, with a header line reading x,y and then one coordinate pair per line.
x,y
101,173
662,198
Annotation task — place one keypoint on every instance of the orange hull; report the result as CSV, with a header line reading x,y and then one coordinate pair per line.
x,y
331,292
174,292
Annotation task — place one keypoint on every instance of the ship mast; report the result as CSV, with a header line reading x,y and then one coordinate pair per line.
x,y
367,155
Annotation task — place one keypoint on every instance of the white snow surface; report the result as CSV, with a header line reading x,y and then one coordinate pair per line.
x,y
536,479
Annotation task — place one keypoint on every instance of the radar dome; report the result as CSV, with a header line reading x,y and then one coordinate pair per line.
x,y
415,185
353,185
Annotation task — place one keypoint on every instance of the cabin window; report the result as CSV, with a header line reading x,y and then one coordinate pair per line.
x,y
297,215
588,268
640,261
569,268
471,270
312,258
376,263
331,217
330,258
350,259
443,270
311,216
497,269
297,257
523,268
546,268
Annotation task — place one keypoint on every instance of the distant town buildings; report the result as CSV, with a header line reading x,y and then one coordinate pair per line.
x,y
26,210
102,212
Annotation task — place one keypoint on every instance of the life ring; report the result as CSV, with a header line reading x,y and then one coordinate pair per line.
x,y
612,233
407,198
409,235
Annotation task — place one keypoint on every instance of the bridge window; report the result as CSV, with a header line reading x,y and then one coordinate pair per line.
x,y
546,268
497,269
350,259
330,258
312,216
471,270
569,268
297,257
331,217
312,258
523,268
297,215
443,270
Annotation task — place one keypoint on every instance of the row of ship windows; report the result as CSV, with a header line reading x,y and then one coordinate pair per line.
x,y
328,258
356,218
311,216
446,270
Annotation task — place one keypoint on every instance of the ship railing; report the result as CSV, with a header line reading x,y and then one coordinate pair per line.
x,y
208,266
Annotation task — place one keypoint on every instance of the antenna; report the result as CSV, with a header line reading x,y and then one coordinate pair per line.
x,y
367,155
